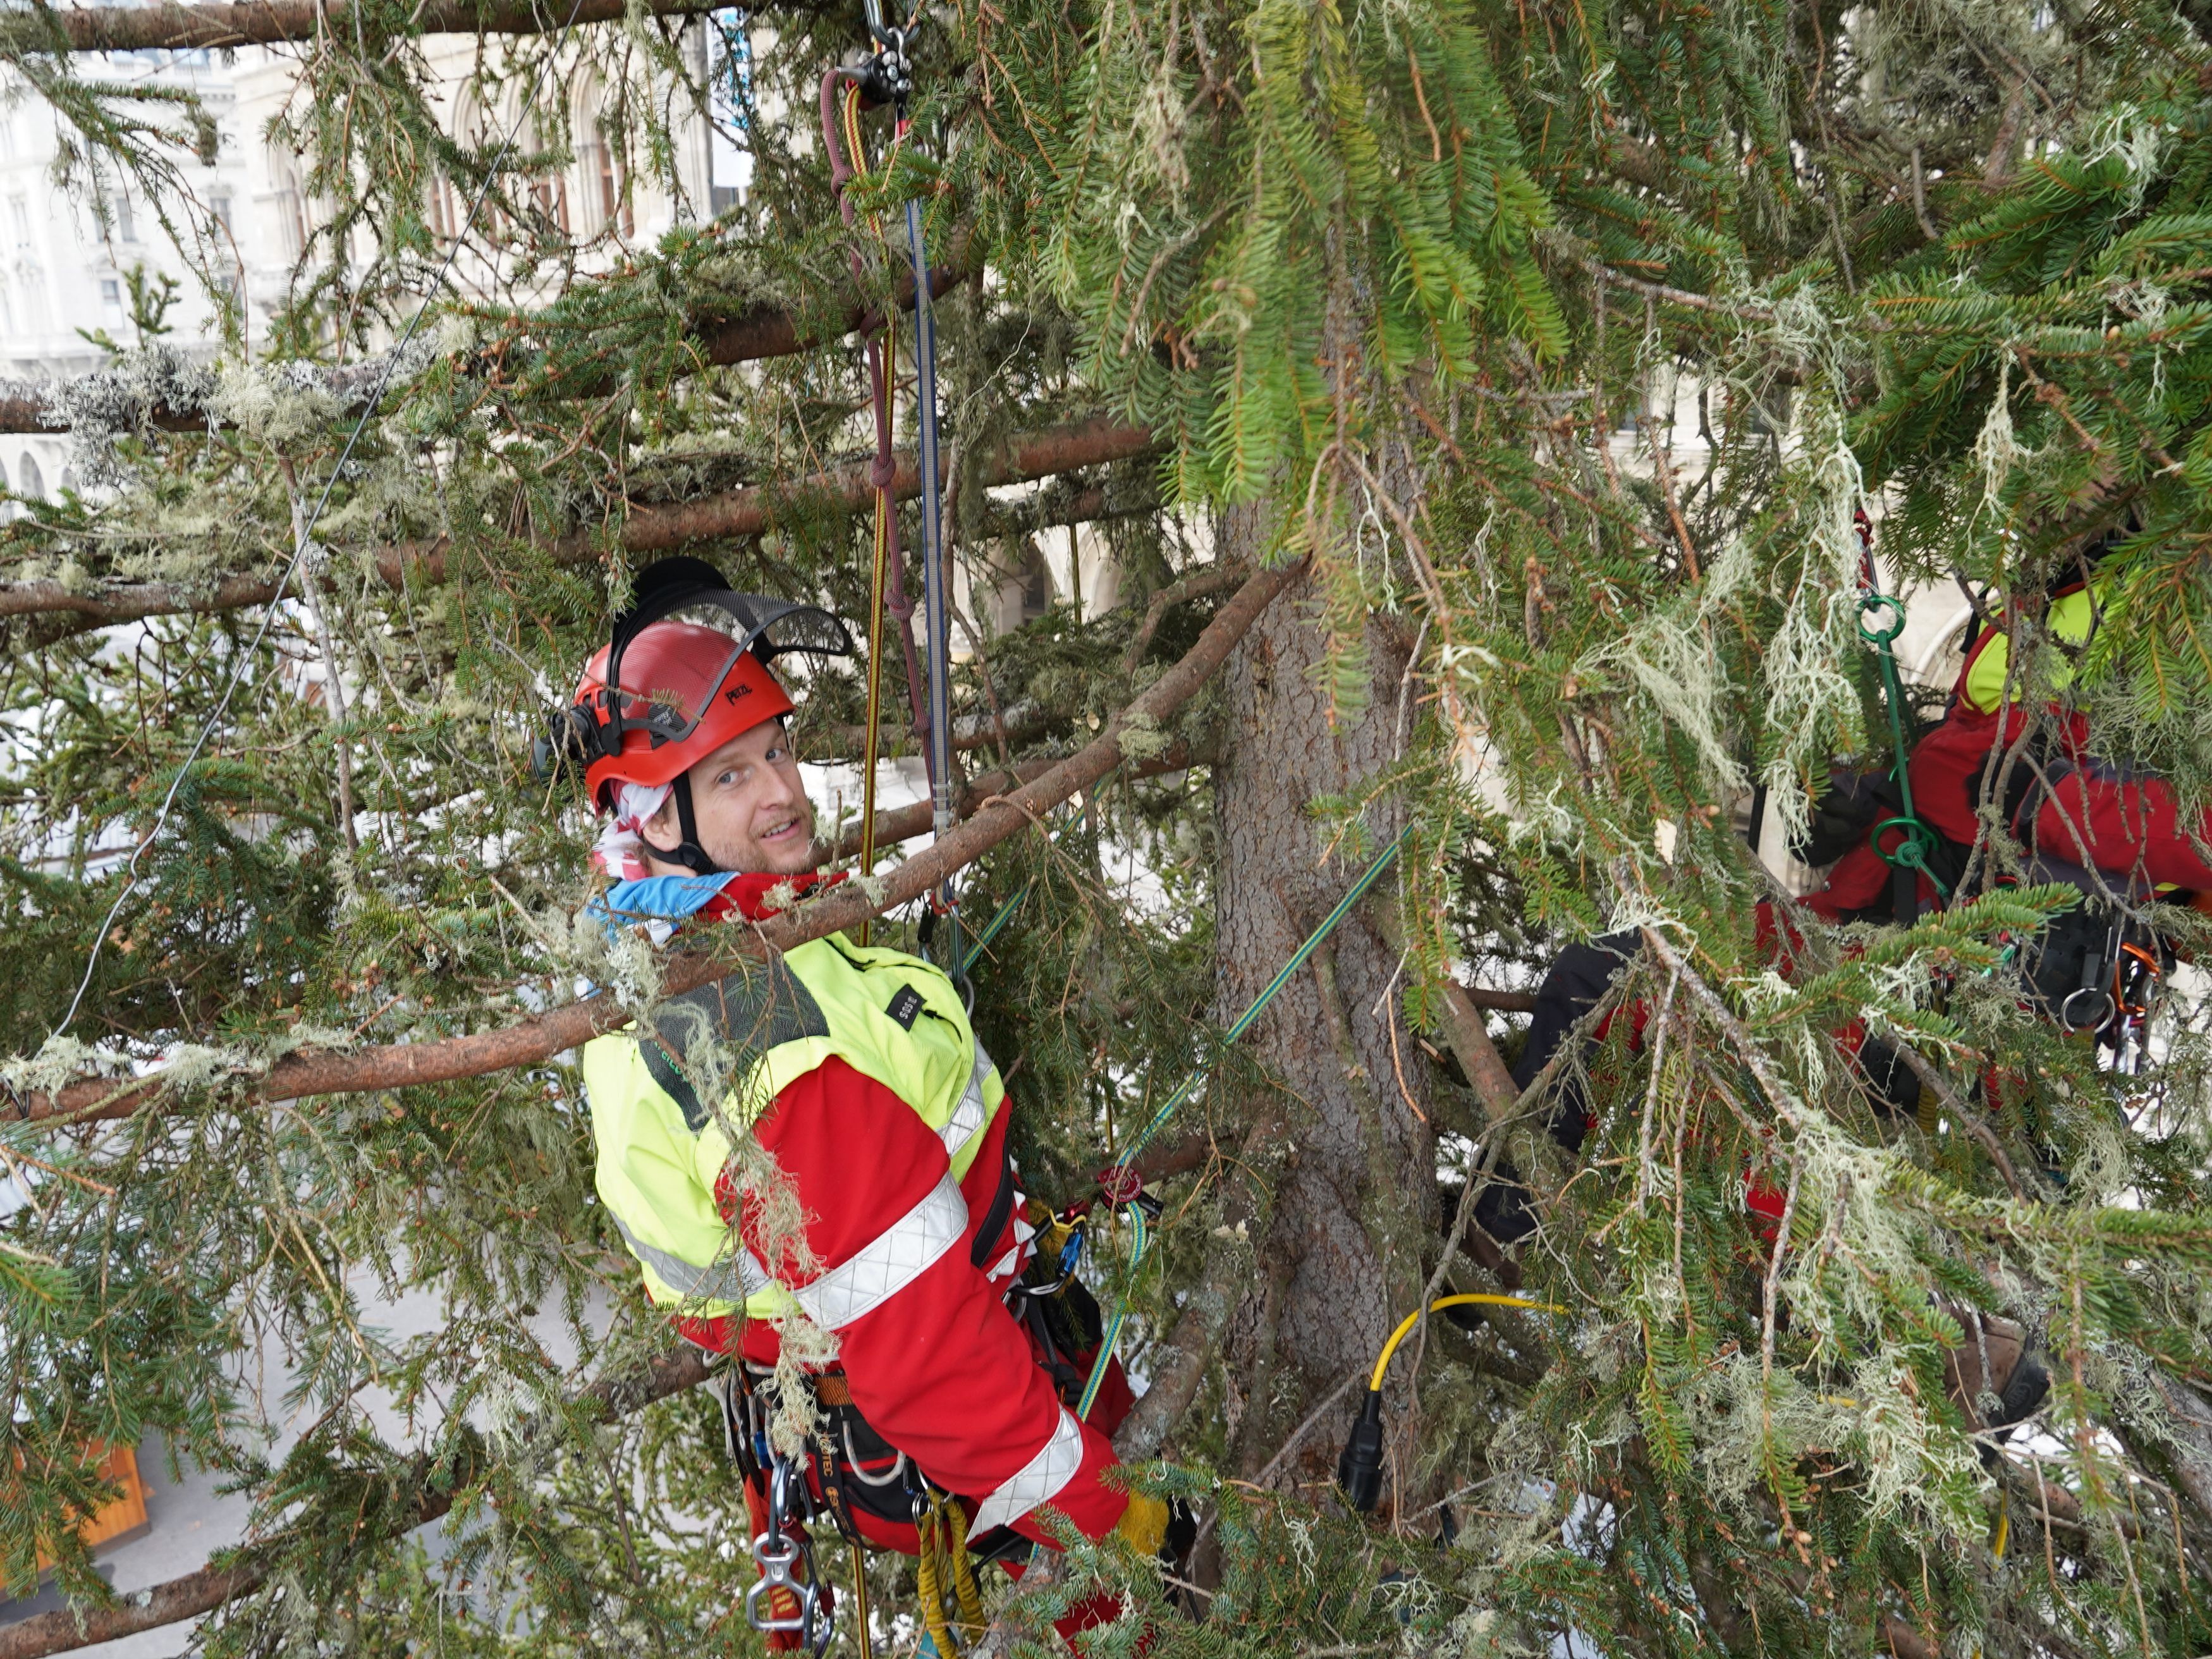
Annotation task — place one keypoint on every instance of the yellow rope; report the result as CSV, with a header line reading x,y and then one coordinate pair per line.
x,y
1407,1324
929,1588
871,744
955,1536
862,1636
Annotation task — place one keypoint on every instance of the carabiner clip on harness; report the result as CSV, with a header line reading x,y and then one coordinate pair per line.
x,y
776,1552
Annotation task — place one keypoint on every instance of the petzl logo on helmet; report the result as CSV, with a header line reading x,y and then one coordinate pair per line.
x,y
735,689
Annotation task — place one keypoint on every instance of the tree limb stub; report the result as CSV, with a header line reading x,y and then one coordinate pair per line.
x,y
195,1593
408,1064
753,335
651,529
170,27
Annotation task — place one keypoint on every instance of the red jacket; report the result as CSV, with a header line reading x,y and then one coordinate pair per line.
x,y
2095,812
940,1368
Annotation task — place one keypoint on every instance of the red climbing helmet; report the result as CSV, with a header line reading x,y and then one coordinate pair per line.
x,y
666,691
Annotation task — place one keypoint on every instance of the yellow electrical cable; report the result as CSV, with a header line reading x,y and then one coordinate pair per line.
x,y
1407,1324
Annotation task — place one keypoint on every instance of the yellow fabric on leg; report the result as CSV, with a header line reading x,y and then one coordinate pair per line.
x,y
1144,1524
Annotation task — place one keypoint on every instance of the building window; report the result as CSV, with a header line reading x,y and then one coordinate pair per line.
x,y
218,205
1037,586
19,216
603,179
34,482
110,298
440,212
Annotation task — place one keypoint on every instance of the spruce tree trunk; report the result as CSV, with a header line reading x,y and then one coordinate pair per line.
x,y
1340,1242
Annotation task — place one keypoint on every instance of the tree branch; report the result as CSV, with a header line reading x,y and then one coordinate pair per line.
x,y
1198,585
646,529
170,27
410,1065
195,1593
752,335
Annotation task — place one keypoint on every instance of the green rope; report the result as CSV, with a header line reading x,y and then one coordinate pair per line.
x,y
1191,1084
982,941
1917,840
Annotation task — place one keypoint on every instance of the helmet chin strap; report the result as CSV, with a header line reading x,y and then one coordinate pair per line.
x,y
687,852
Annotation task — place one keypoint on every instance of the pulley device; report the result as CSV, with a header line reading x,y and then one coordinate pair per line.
x,y
781,1600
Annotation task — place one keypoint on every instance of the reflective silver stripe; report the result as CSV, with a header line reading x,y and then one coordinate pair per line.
x,y
968,1115
1037,1481
890,1262
730,1280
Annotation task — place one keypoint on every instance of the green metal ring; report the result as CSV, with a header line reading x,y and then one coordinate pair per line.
x,y
1911,853
1869,603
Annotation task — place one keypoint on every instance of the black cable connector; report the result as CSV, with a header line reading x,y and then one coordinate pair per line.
x,y
1359,1471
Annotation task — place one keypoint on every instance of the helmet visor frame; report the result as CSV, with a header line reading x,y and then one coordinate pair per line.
x,y
767,628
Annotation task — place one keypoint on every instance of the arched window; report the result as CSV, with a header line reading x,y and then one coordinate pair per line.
x,y
34,482
290,205
602,199
447,210
1036,585
548,180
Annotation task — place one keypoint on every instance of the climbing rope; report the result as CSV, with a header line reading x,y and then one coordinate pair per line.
x,y
887,77
1917,840
1121,1183
944,1570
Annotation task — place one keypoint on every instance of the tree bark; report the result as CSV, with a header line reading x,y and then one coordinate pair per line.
x,y
1341,1247
171,27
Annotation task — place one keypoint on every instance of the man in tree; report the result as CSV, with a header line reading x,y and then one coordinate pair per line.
x,y
890,1216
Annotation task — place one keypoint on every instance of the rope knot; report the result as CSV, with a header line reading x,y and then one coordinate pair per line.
x,y
881,471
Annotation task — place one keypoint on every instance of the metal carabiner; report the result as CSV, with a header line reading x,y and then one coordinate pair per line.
x,y
776,1554
2101,1000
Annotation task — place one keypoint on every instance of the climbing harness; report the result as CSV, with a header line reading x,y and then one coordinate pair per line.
x,y
1917,839
1359,1470
848,1473
888,77
1121,1185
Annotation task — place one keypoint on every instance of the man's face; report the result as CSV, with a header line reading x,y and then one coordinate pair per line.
x,y
752,812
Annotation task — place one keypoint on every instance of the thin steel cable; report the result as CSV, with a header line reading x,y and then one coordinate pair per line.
x,y
304,539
